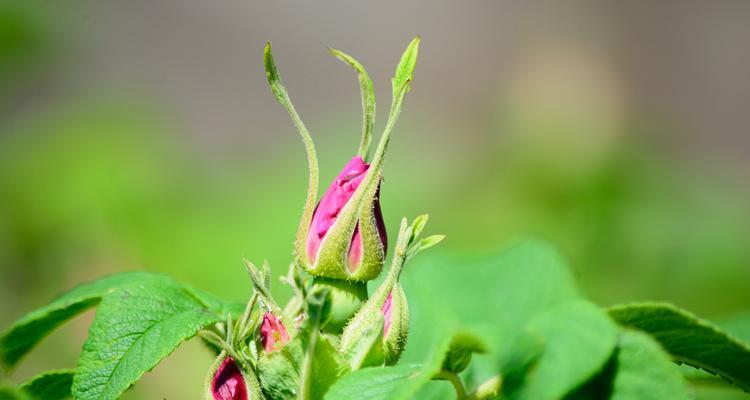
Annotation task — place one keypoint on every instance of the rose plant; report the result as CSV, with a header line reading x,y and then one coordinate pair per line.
x,y
510,325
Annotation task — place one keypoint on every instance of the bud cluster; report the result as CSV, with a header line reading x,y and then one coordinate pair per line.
x,y
268,351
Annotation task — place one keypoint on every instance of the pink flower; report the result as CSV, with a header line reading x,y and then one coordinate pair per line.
x,y
387,306
273,334
335,198
228,382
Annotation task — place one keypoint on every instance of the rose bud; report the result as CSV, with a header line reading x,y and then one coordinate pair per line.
x,y
343,237
346,238
273,334
386,313
228,382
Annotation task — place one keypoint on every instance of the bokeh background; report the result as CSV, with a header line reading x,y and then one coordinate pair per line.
x,y
141,135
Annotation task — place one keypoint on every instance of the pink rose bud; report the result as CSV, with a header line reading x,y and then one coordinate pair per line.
x,y
273,334
395,324
228,382
333,201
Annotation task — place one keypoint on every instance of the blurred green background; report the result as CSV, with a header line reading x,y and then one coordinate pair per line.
x,y
141,135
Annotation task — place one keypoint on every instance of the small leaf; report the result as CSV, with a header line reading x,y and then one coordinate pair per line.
x,y
50,385
689,339
430,241
405,69
135,328
26,332
418,225
379,383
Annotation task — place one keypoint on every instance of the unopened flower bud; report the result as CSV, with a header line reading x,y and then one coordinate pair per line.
x,y
228,383
359,255
273,334
386,312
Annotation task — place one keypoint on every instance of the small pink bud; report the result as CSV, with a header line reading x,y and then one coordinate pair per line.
x,y
228,382
273,334
333,201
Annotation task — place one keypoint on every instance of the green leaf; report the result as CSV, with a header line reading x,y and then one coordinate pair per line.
x,y
494,297
689,339
502,292
50,385
26,332
644,371
135,328
368,100
378,383
579,338
638,369
328,366
405,69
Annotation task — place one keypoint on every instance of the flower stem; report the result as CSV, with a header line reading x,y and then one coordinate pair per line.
x,y
455,380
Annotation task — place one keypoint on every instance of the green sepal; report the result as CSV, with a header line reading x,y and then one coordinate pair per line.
x,y
332,256
278,89
395,340
368,101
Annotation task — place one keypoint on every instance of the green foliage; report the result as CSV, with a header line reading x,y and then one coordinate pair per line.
x,y
50,385
510,325
25,333
519,309
689,339
644,371
376,383
135,328
577,335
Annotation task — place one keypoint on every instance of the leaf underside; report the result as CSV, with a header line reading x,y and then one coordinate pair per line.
x,y
50,385
690,340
